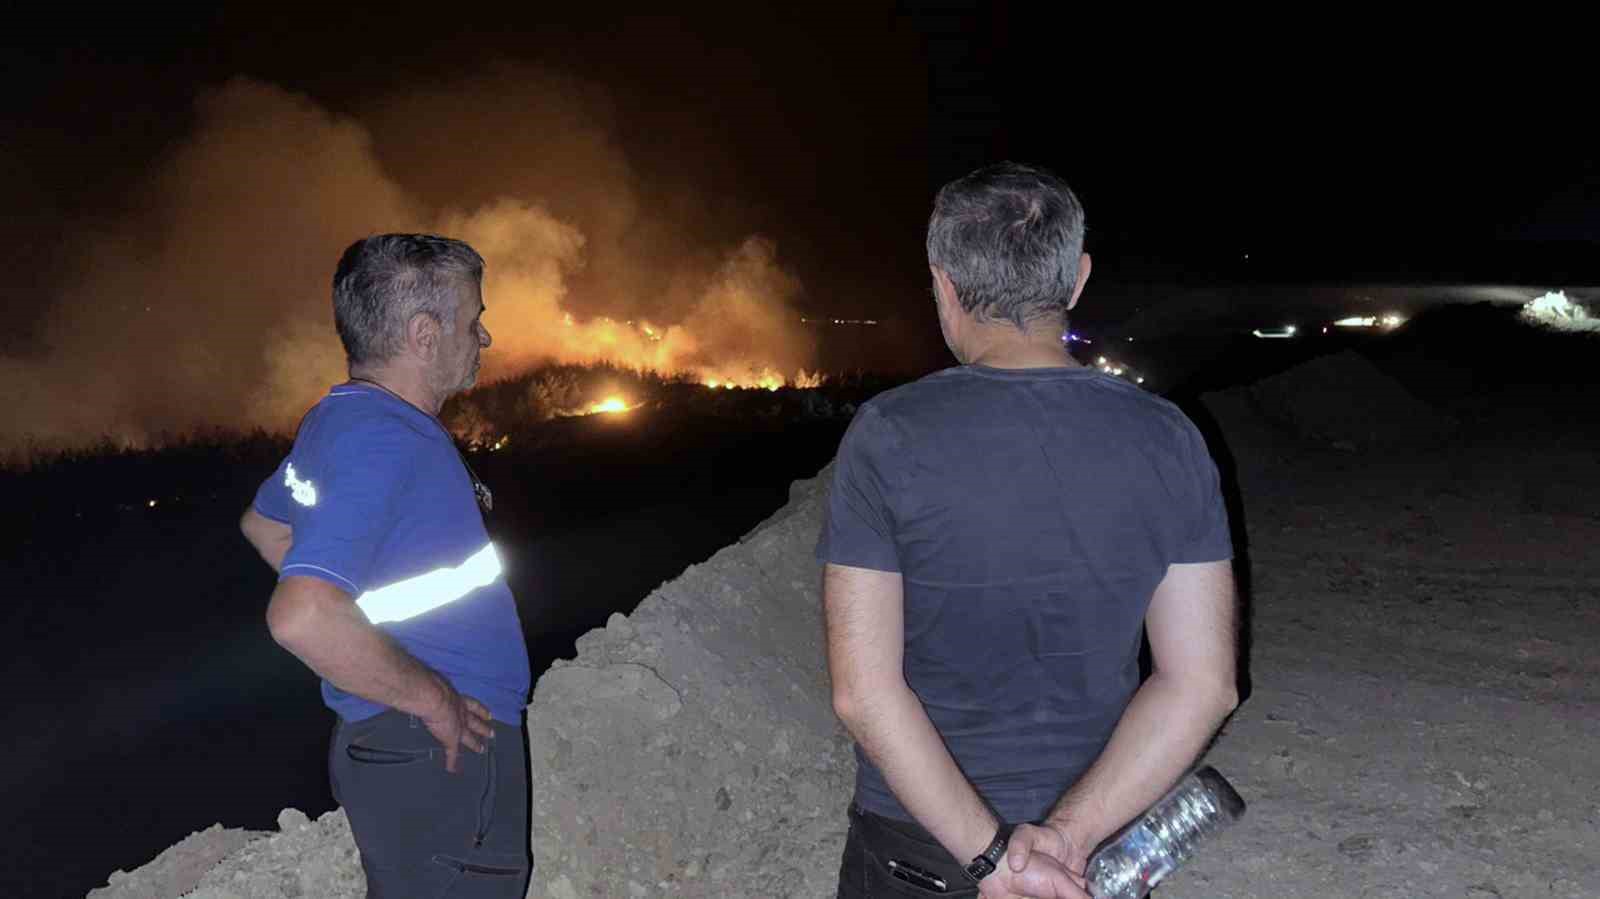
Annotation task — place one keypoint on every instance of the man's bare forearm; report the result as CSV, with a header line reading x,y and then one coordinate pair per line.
x,y
1192,627
1161,733
863,612
323,628
894,731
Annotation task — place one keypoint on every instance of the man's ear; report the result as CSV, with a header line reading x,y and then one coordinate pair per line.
x,y
944,290
423,332
1083,278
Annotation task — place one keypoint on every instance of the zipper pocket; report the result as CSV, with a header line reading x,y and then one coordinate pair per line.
x,y
475,868
371,755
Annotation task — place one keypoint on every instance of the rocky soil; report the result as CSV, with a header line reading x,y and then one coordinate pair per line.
x,y
1424,711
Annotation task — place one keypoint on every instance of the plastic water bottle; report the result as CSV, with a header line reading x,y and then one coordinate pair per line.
x,y
1136,858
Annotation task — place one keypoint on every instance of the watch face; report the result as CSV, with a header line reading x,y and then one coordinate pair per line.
x,y
979,869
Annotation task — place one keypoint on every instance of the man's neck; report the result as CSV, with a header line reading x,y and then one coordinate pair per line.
x,y
406,384
1002,345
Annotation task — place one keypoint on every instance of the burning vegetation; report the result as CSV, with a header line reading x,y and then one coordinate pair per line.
x,y
494,415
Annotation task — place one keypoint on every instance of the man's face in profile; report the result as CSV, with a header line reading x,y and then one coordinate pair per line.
x,y
461,350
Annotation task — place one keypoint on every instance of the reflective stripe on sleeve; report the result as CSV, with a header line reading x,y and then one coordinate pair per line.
x,y
426,592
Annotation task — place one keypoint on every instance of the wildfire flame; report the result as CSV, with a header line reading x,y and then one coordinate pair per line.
x,y
765,379
671,350
609,406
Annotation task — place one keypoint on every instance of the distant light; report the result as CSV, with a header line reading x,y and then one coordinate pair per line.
x,y
1101,360
1357,321
152,504
1141,380
1557,311
1275,333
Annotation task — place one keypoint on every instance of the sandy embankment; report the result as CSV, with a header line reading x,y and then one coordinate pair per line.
x,y
1425,705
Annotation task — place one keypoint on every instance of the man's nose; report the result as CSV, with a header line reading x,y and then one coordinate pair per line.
x,y
483,337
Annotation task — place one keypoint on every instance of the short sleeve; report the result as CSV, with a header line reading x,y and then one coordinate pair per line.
x,y
272,497
857,529
344,496
1206,537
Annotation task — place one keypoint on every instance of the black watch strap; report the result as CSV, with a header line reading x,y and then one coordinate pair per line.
x,y
984,864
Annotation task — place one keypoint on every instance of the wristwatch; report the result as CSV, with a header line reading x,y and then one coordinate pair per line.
x,y
984,864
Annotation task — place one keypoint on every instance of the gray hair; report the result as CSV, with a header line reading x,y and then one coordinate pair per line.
x,y
1009,236
383,281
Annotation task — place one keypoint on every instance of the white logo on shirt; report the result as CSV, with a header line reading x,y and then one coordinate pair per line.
x,y
305,493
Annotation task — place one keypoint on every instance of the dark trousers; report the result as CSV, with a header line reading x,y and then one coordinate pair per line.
x,y
885,857
422,831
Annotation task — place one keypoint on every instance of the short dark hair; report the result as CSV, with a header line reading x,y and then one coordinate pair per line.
x,y
384,280
1009,236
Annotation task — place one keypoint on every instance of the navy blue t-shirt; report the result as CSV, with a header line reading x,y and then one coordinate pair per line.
x,y
1031,514
382,507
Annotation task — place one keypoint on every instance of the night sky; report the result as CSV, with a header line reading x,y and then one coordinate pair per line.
x,y
1206,152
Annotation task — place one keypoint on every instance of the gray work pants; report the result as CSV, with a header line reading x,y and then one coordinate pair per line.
x,y
422,831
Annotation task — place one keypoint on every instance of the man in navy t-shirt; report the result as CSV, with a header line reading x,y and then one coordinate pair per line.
x,y
390,590
998,538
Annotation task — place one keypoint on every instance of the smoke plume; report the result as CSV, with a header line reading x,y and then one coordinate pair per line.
x,y
207,305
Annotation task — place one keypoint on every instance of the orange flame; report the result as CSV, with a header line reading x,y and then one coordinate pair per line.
x,y
609,406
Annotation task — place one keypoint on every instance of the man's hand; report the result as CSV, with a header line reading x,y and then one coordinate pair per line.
x,y
1040,876
457,721
1054,841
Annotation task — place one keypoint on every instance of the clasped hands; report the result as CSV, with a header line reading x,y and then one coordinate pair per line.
x,y
1043,861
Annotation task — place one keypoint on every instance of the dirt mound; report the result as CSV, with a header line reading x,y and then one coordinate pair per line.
x,y
1344,402
690,749
304,858
179,869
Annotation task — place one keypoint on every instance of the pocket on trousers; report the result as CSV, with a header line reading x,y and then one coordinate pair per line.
x,y
899,864
374,755
891,876
495,868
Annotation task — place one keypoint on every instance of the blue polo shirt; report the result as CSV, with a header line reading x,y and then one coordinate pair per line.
x,y
382,508
1031,514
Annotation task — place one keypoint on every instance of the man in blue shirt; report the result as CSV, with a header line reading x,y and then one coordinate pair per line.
x,y
998,537
390,590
